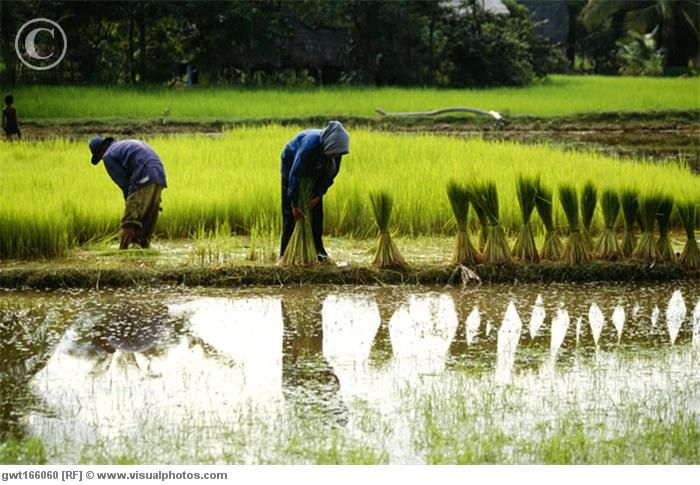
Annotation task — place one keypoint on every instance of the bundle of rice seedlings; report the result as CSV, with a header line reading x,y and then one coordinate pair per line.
x,y
524,247
301,250
607,246
464,252
481,215
690,257
589,200
630,208
387,255
575,251
663,216
485,197
646,248
553,247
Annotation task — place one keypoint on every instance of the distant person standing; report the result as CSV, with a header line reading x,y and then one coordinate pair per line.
x,y
137,170
312,154
10,122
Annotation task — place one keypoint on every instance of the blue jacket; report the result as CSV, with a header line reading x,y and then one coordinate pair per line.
x,y
303,158
133,164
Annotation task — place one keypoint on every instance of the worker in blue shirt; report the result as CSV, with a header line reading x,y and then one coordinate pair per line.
x,y
137,170
314,154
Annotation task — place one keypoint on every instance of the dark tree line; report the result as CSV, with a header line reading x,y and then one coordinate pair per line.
x,y
417,42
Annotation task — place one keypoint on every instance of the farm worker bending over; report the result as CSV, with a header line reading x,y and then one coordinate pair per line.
x,y
313,154
138,171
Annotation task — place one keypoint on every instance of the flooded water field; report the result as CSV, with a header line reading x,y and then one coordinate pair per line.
x,y
604,373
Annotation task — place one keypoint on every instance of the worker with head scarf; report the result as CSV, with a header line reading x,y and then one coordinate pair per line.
x,y
313,154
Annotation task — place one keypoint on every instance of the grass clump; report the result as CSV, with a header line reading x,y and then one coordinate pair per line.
x,y
496,249
575,251
301,250
608,248
690,257
629,200
464,252
524,247
552,249
589,200
646,249
387,255
663,216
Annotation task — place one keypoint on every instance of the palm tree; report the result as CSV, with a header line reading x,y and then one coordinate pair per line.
x,y
678,22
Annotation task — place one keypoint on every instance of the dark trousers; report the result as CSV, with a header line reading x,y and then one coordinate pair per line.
x,y
288,223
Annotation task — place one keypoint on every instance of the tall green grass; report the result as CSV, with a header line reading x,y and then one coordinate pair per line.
x,y
51,198
558,95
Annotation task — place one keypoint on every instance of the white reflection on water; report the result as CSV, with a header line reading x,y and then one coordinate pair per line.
x,y
472,324
579,321
618,319
696,324
596,320
537,317
508,338
675,315
560,325
421,332
231,356
350,324
655,315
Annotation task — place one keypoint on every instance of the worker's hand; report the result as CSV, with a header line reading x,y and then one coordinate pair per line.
x,y
297,213
313,202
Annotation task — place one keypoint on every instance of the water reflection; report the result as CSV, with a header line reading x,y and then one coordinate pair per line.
x,y
120,365
675,315
508,338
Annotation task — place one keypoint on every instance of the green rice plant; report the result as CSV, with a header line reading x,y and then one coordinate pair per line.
x,y
589,200
575,251
646,248
387,255
496,249
53,200
594,94
690,257
552,249
301,250
629,200
663,216
608,248
481,217
524,247
464,252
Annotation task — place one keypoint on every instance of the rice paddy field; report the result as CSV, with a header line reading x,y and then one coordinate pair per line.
x,y
522,374
555,96
53,199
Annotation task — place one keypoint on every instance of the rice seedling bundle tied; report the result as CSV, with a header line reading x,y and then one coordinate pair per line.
x,y
552,249
663,216
646,248
608,248
387,255
524,247
629,200
301,250
464,252
485,196
690,257
575,251
589,200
